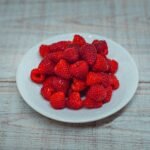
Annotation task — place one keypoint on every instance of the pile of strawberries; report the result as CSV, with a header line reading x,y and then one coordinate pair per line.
x,y
76,74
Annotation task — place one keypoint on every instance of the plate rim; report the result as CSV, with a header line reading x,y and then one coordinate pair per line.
x,y
113,111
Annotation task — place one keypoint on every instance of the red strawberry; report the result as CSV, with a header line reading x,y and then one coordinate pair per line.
x,y
114,82
57,100
108,94
101,64
101,46
79,40
46,66
55,56
78,85
71,54
46,92
93,78
36,76
96,92
60,84
88,53
43,50
113,66
62,69
74,101
79,69
89,103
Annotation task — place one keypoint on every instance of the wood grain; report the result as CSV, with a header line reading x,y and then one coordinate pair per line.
x,y
25,23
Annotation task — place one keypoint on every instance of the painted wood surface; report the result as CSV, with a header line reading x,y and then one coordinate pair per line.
x,y
25,23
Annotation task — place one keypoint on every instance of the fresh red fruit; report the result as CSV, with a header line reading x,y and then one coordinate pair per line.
x,y
62,69
36,76
101,64
105,80
108,94
71,54
73,45
55,56
60,84
101,46
96,92
88,53
113,66
74,101
93,78
79,69
114,82
46,92
58,46
78,85
79,40
43,50
89,103
48,81
46,66
57,100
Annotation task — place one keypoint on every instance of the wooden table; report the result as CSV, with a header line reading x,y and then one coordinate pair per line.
x,y
24,23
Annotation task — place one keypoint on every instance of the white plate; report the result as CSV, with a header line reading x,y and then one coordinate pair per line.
x,y
127,75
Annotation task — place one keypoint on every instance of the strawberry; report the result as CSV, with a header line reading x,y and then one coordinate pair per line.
x,y
55,56
101,64
108,94
46,66
78,40
88,53
60,84
113,66
46,92
89,103
96,92
57,100
79,69
71,54
62,69
36,76
43,50
114,82
101,46
74,101
93,78
78,85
